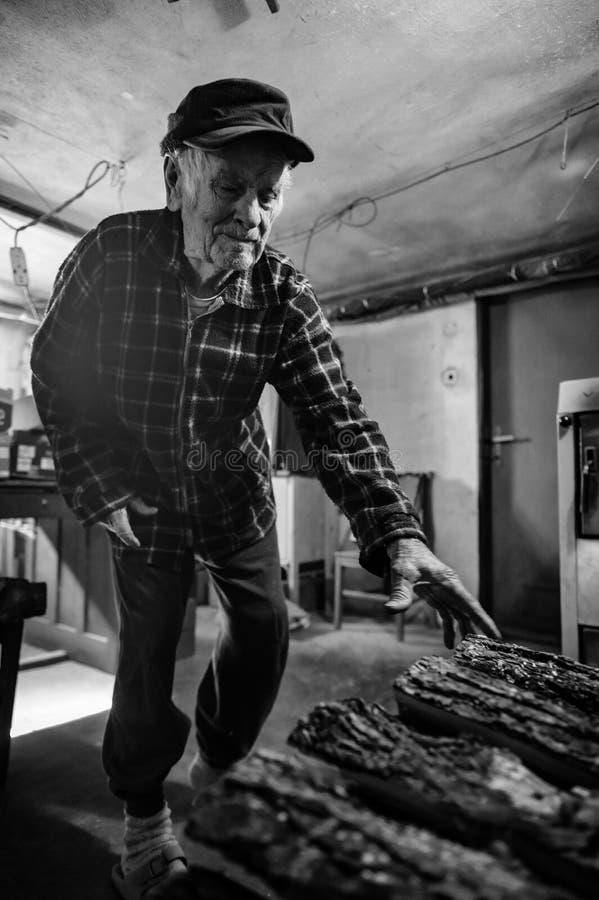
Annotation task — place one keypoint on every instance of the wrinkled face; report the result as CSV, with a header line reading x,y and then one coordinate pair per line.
x,y
229,200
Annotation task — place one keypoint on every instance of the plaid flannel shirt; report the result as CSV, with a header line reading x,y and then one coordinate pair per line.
x,y
139,399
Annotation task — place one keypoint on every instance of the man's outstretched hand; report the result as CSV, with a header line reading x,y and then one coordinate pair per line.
x,y
414,569
118,521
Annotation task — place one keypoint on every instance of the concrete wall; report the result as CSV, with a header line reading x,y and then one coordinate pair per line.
x,y
418,377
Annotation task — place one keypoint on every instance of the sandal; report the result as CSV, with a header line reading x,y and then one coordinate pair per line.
x,y
141,882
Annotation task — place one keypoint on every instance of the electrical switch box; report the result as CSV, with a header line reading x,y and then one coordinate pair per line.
x,y
19,266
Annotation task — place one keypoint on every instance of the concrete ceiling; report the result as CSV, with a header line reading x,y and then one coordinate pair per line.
x,y
386,91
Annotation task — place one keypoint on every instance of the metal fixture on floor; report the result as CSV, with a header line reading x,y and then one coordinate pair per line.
x,y
19,599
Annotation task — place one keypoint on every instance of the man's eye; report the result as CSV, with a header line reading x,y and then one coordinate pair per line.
x,y
268,198
229,188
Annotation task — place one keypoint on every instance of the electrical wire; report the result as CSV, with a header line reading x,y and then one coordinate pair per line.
x,y
443,170
586,175
90,182
325,220
118,177
117,171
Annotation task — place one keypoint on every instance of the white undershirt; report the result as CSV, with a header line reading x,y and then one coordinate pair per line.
x,y
202,306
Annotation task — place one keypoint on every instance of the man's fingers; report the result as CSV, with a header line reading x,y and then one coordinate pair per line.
x,y
118,523
447,620
486,624
415,568
140,507
448,626
401,594
463,604
127,536
464,626
448,630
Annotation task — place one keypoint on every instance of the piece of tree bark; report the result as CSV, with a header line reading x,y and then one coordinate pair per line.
x,y
549,675
302,833
554,738
460,787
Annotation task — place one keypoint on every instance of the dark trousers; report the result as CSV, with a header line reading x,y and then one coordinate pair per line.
x,y
146,733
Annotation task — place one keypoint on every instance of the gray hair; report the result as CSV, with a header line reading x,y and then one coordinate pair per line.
x,y
193,165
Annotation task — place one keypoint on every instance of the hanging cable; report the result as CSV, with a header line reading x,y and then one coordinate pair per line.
x,y
586,175
326,219
118,178
91,181
97,174
343,217
443,170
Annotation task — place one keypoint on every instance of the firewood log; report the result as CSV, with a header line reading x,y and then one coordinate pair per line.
x,y
301,832
549,675
458,786
556,739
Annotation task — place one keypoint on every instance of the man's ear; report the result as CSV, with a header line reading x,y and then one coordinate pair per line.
x,y
172,183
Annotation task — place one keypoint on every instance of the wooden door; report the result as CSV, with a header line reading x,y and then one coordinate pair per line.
x,y
530,342
81,615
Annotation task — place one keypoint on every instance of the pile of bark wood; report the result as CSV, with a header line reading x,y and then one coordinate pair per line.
x,y
460,787
480,788
306,836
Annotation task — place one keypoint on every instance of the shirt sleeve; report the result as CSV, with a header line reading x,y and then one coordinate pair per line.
x,y
345,446
64,386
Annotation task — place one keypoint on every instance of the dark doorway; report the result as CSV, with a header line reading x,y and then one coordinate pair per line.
x,y
529,343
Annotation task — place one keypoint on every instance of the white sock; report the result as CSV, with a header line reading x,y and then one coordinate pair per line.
x,y
145,837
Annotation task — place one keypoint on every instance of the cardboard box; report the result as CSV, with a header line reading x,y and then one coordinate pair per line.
x,y
5,441
44,458
22,453
5,409
30,455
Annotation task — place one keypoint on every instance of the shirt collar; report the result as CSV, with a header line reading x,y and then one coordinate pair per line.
x,y
163,246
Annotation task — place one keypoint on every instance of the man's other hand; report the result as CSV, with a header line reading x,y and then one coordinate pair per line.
x,y
415,570
118,521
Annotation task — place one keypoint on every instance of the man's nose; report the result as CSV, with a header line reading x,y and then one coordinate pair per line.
x,y
247,210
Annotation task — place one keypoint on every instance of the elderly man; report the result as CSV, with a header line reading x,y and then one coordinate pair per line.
x,y
163,329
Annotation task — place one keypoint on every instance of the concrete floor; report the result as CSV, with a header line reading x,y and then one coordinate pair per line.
x,y
61,828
